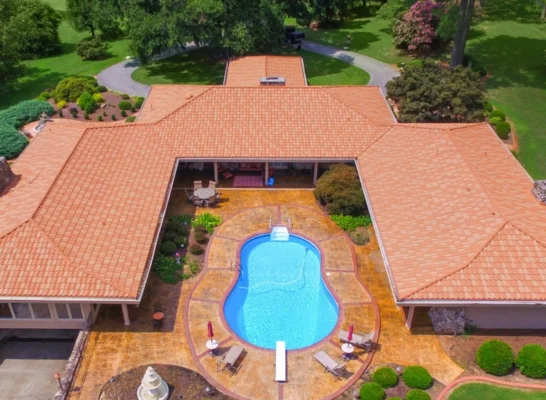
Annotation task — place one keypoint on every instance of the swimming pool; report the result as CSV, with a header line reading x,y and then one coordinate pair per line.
x,y
280,295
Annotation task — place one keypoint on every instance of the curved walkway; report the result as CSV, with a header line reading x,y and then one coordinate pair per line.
x,y
118,76
485,379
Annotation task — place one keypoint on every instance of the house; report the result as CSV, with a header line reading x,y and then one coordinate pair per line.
x,y
81,209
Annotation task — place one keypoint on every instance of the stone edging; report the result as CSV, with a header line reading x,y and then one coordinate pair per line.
x,y
72,365
485,379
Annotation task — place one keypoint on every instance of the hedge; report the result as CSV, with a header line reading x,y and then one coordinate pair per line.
x,y
168,248
417,377
350,223
531,361
386,377
25,112
495,357
417,394
503,129
372,391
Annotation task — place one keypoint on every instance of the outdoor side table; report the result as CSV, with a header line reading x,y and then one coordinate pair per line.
x,y
347,349
212,345
158,319
204,193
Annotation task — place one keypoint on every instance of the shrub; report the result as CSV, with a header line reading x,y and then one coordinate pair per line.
x,y
113,117
25,112
124,105
12,143
132,118
74,114
125,96
208,220
194,266
61,104
61,114
488,107
372,391
495,120
200,237
86,115
101,89
99,118
179,240
123,113
495,357
45,95
531,361
89,108
417,394
200,228
179,224
138,103
503,129
416,29
92,49
86,102
395,398
73,109
196,250
350,223
104,114
40,98
417,377
339,190
69,89
360,238
499,114
167,268
168,248
133,109
98,98
386,377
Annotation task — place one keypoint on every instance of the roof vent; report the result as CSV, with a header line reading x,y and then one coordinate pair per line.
x,y
539,190
273,81
6,174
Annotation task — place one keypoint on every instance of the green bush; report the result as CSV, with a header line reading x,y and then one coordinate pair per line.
x,y
86,115
69,89
167,268
133,109
124,105
395,398
200,228
92,49
194,266
503,129
40,98
495,357
125,96
196,250
417,377
45,95
74,114
350,223
101,89
340,191
495,120
99,98
208,220
25,112
497,113
531,361
200,237
417,394
86,102
139,101
488,107
386,377
179,240
12,143
168,248
123,113
179,224
113,117
132,118
99,118
61,104
372,391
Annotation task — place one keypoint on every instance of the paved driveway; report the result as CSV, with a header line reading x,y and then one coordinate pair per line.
x,y
27,368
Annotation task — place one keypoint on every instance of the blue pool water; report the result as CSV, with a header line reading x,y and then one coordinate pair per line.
x,y
280,295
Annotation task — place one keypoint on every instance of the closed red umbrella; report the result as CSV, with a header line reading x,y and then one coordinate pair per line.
x,y
350,333
211,333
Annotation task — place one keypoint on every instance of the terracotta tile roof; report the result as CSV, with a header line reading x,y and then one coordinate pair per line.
x,y
163,100
247,71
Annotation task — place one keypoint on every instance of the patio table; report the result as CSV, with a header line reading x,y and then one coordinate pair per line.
x,y
204,193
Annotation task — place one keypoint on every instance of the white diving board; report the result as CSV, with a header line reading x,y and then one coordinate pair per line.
x,y
280,362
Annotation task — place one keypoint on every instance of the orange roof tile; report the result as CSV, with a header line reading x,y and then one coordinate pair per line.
x,y
247,71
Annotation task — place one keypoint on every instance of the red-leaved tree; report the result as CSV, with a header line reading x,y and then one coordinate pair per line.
x,y
416,30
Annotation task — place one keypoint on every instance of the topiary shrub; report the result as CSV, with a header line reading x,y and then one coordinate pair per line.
x,y
196,250
74,114
133,109
495,357
92,49
417,377
101,89
12,143
386,377
200,237
132,118
124,105
86,115
139,102
179,240
98,98
488,107
86,102
113,117
340,191
417,394
531,361
494,121
497,113
69,89
503,129
168,248
372,391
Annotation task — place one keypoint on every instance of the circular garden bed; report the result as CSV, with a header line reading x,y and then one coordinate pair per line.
x,y
183,384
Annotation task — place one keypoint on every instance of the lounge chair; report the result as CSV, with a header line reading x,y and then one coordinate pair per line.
x,y
363,341
197,185
212,185
329,364
228,363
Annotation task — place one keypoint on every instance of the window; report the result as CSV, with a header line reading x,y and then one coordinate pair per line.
x,y
76,311
21,310
5,312
62,311
41,310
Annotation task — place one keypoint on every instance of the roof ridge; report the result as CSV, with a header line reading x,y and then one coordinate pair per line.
x,y
349,107
513,224
73,264
468,125
459,267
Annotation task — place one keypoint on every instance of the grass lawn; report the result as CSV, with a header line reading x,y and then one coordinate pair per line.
x,y
199,67
44,73
483,391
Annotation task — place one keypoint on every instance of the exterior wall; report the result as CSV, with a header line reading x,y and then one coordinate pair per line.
x,y
31,320
531,317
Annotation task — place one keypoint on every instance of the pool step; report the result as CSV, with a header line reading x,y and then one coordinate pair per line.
x,y
279,234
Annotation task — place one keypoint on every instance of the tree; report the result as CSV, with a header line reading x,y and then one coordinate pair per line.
x,y
466,10
328,11
93,15
431,93
11,67
416,30
339,190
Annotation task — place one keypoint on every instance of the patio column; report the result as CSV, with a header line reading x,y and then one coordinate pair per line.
x,y
266,173
315,173
125,311
409,318
215,172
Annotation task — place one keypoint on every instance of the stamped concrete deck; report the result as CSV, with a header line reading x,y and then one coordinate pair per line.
x,y
114,348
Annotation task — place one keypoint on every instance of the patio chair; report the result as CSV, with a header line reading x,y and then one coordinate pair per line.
x,y
197,201
217,196
362,341
197,185
190,195
212,185
329,364
229,362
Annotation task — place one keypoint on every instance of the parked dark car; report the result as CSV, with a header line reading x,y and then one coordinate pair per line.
x,y
293,36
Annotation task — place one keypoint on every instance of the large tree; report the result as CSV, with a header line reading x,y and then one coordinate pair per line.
x,y
93,15
466,10
432,93
327,11
10,60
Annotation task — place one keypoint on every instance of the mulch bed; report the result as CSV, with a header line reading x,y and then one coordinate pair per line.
x,y
183,384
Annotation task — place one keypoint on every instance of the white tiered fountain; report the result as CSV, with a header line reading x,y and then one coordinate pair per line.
x,y
152,387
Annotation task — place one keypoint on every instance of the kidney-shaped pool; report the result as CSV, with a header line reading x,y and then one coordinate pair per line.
x,y
280,295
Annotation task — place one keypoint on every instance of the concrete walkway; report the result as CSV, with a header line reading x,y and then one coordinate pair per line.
x,y
380,72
